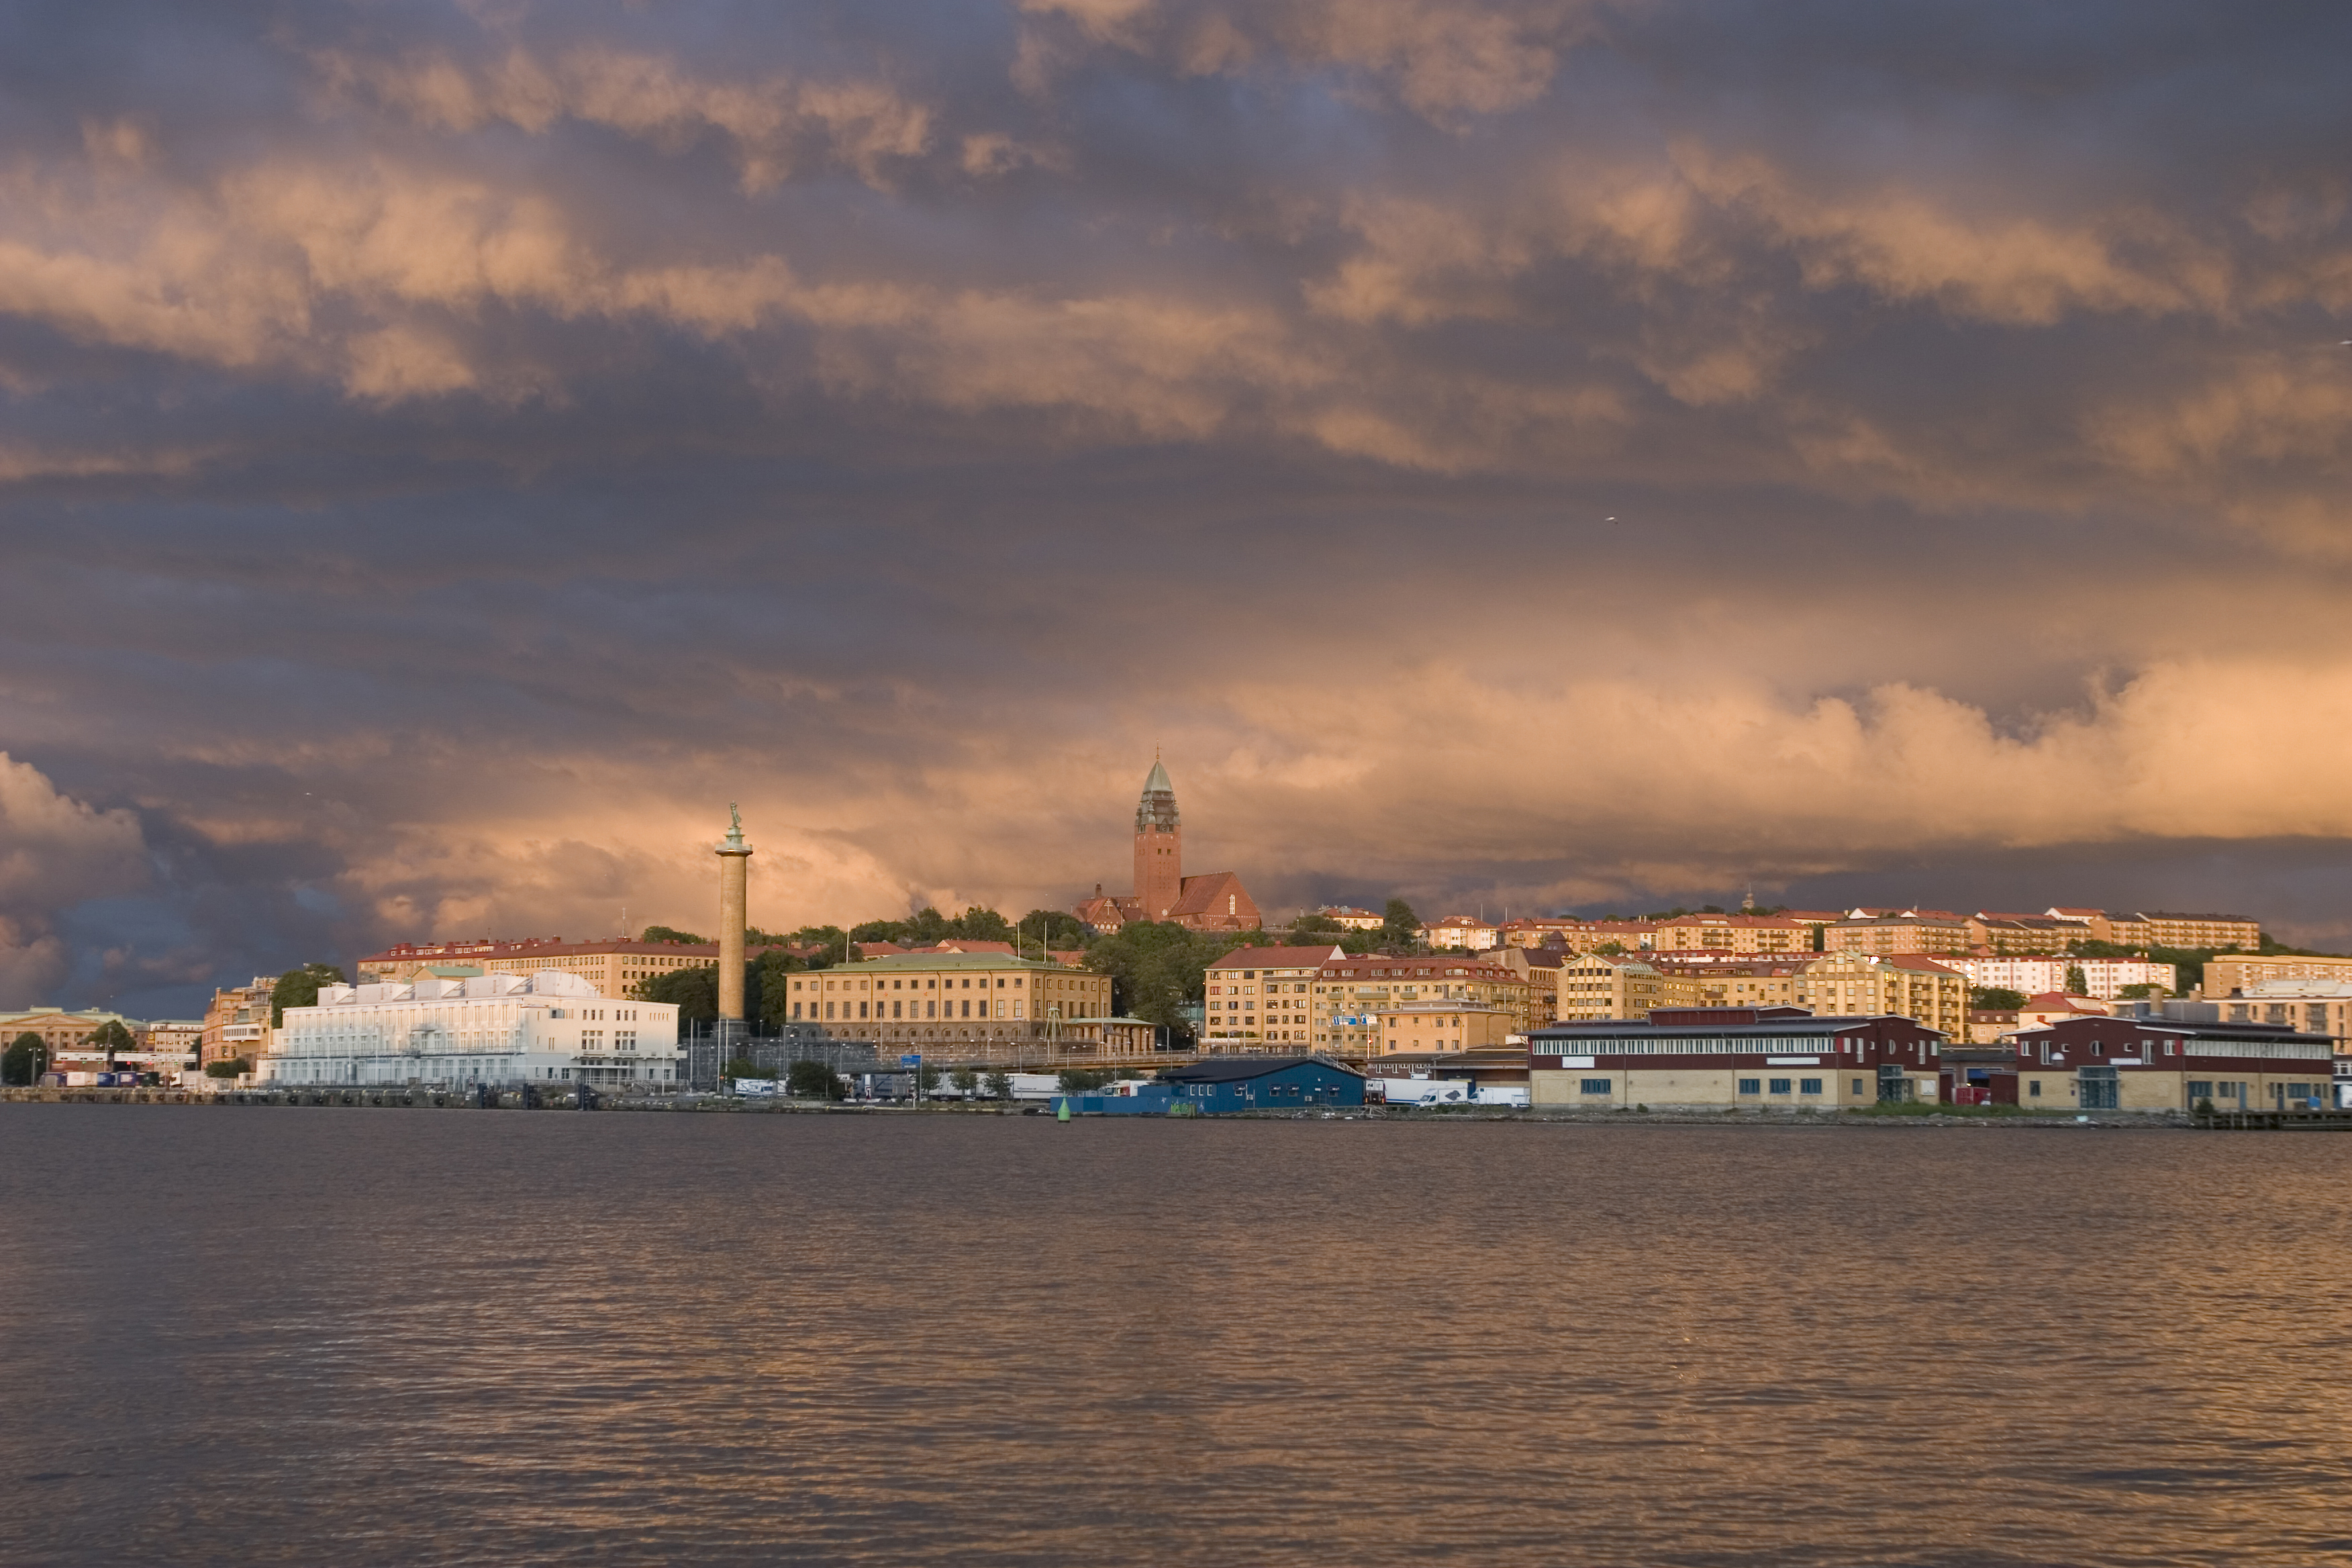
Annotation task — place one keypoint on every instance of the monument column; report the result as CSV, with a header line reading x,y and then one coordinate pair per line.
x,y
734,862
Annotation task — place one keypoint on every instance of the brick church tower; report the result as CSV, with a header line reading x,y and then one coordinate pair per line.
x,y
1159,847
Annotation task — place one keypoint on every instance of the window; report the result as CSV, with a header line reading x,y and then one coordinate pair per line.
x,y
1857,1086
1596,1085
1782,1085
1809,1086
1752,1086
2033,1090
2200,1088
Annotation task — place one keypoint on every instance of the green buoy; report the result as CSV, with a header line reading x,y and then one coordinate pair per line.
x,y
1063,1114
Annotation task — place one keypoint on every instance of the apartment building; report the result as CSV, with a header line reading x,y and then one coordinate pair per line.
x,y
2168,928
2227,976
1349,992
1263,996
1595,985
1899,932
238,1022
2104,978
1733,933
1907,984
1462,933
1441,1025
2022,933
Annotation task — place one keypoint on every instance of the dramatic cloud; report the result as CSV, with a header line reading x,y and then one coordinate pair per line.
x,y
1556,452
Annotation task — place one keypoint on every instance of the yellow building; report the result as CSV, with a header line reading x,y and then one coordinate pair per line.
x,y
2169,929
1258,999
1441,1026
1908,984
1898,934
1609,986
1348,994
1733,933
2224,976
936,1002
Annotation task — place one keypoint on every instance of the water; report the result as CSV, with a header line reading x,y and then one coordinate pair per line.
x,y
279,1335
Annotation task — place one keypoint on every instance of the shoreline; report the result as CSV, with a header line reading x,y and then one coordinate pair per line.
x,y
444,1100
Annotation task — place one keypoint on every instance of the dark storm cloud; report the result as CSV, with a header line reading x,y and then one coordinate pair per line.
x,y
449,450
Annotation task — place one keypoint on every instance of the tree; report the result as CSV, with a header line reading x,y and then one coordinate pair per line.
x,y
1613,947
1994,999
2139,992
235,1067
1399,924
1316,923
1043,931
2076,985
25,1057
111,1037
812,1080
672,935
928,1076
744,1066
1157,967
966,1080
693,992
299,988
1078,1081
999,1085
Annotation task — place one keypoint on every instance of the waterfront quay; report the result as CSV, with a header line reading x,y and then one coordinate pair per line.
x,y
418,1097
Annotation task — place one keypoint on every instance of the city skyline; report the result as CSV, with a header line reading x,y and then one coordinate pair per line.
x,y
1585,456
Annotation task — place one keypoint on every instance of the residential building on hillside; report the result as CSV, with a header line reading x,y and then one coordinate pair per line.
x,y
1897,933
2224,976
1262,998
1462,933
941,1000
1349,992
1733,933
1748,1059
1348,918
2021,933
2104,978
2168,928
490,1029
1213,900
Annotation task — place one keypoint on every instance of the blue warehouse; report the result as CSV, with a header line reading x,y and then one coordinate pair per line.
x,y
1263,1083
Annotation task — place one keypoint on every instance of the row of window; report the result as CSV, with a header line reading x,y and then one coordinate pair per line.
x,y
903,1010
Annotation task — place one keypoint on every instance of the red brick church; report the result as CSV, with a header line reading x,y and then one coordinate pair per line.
x,y
1215,901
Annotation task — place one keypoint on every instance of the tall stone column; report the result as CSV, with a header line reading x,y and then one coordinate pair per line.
x,y
734,862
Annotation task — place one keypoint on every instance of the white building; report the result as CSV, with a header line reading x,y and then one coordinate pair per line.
x,y
2104,978
547,1027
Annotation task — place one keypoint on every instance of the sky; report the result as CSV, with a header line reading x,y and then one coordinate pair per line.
x,y
1563,454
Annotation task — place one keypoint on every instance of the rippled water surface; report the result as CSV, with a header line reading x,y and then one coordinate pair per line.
x,y
280,1335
